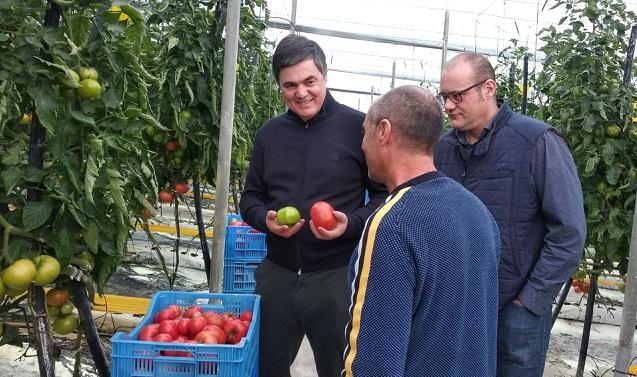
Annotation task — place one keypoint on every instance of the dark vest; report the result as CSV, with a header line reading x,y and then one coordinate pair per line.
x,y
499,173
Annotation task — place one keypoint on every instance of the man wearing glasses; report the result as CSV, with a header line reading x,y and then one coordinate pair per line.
x,y
523,171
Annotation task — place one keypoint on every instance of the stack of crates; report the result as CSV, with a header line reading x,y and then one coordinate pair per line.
x,y
244,249
135,358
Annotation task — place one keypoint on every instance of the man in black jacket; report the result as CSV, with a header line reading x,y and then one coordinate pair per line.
x,y
310,153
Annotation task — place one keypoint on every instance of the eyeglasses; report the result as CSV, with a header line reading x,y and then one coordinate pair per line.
x,y
456,97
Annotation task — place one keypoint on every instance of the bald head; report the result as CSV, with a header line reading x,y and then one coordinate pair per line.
x,y
414,113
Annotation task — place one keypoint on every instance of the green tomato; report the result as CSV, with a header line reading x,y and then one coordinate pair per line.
x,y
149,130
89,89
632,134
88,73
48,269
67,308
19,275
3,290
288,216
158,138
185,116
66,325
53,311
602,187
613,131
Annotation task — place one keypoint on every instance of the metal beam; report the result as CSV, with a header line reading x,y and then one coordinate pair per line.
x,y
371,37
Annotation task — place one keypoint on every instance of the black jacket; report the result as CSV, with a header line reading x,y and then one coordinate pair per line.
x,y
297,163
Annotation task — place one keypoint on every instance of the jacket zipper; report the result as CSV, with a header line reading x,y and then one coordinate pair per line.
x,y
297,243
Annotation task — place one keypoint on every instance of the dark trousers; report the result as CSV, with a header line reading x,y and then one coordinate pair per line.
x,y
315,304
523,339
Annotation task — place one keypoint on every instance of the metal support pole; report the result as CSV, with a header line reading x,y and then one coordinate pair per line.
x,y
560,300
629,309
588,319
445,42
222,181
293,18
525,80
393,74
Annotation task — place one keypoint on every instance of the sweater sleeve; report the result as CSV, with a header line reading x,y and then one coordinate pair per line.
x,y
559,190
381,312
254,195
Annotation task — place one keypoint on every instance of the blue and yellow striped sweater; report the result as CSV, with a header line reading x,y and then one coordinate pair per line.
x,y
425,285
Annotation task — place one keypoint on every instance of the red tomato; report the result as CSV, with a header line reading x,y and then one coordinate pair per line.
x,y
182,326
218,331
164,314
172,145
196,324
229,316
181,187
235,330
191,310
322,215
165,196
148,332
246,316
168,327
214,319
207,338
175,308
180,339
163,338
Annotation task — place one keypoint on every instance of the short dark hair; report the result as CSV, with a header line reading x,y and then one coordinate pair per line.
x,y
415,114
481,66
294,49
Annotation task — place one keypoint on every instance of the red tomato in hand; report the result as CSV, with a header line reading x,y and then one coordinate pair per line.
x,y
322,215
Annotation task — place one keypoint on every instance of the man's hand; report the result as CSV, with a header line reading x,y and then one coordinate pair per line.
x,y
339,229
282,230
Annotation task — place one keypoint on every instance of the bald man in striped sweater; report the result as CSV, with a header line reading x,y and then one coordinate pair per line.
x,y
424,278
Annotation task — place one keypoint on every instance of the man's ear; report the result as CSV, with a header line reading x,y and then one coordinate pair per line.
x,y
491,87
384,128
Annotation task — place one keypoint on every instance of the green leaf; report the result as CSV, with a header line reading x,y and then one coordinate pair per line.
x,y
78,26
34,175
11,176
13,154
613,174
89,178
83,117
591,164
91,235
65,238
35,214
46,106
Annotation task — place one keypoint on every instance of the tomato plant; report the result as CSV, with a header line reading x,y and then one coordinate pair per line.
x,y
322,215
593,110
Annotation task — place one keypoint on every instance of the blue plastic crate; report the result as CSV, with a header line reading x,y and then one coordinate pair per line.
x,y
242,242
238,275
135,358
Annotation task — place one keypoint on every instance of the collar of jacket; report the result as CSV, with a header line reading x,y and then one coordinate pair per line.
x,y
329,104
482,146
